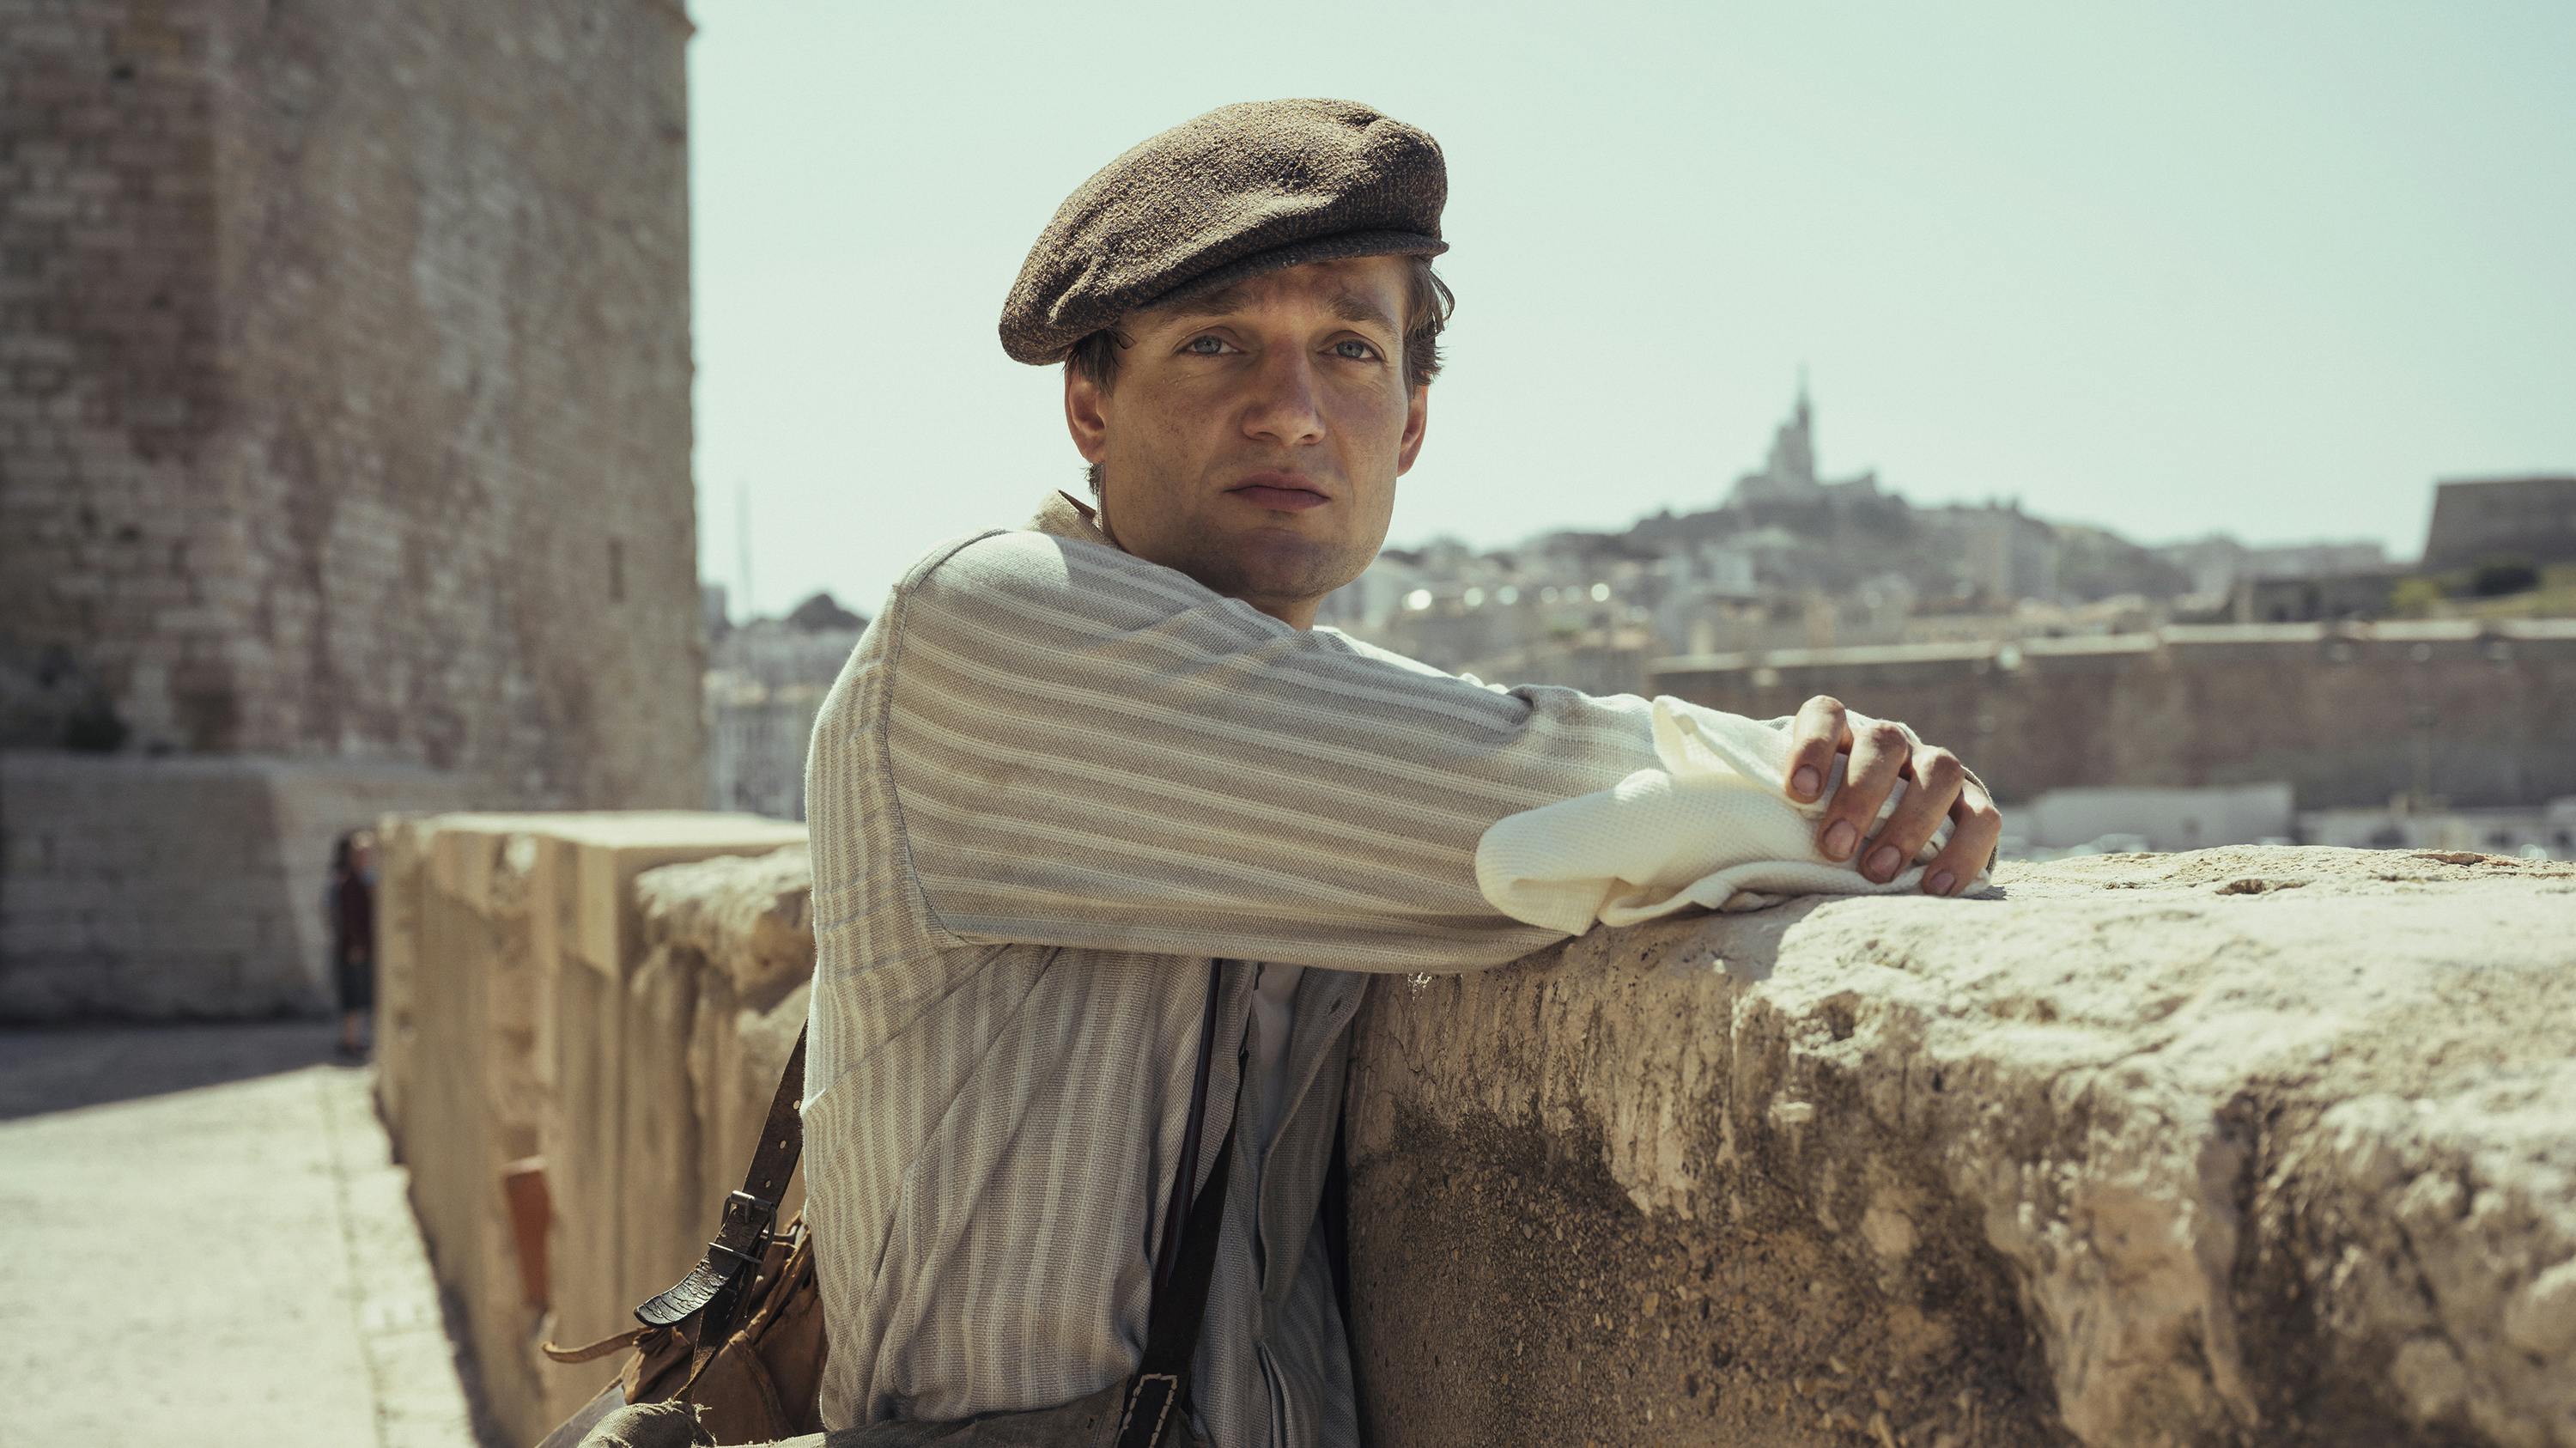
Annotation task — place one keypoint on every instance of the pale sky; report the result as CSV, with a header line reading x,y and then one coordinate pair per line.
x,y
2172,268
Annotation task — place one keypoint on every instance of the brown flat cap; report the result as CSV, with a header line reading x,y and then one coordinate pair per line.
x,y
1242,190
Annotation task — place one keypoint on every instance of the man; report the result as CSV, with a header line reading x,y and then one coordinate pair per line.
x,y
1070,766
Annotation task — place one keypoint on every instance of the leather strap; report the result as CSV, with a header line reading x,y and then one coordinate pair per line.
x,y
714,1288
1162,1381
1175,1209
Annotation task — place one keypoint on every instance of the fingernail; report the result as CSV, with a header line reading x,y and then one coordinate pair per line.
x,y
1840,839
1805,783
1940,882
1882,863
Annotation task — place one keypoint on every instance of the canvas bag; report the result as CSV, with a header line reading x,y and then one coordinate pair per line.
x,y
740,1339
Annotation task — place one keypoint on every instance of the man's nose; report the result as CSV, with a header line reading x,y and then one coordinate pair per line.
x,y
1282,408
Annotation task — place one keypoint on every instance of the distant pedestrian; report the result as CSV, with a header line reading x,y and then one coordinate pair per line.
x,y
351,902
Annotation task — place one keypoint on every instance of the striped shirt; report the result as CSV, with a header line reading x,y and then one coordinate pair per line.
x,y
1052,784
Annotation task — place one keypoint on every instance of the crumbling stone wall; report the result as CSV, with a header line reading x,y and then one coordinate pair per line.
x,y
2239,1147
2242,1146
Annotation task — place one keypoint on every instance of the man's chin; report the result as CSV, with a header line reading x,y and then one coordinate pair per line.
x,y
1274,565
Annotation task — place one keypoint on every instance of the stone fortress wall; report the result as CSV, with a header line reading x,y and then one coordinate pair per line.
x,y
2349,715
2240,1146
2528,519
345,436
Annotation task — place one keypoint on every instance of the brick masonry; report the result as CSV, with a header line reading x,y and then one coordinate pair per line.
x,y
344,397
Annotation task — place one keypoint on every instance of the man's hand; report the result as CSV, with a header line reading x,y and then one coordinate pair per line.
x,y
1879,758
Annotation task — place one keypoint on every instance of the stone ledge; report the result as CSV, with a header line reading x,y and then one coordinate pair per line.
x,y
746,915
599,1003
2247,1145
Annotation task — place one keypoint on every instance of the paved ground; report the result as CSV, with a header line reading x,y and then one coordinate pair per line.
x,y
202,1241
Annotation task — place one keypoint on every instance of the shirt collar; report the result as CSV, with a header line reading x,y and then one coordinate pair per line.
x,y
1067,516
1063,515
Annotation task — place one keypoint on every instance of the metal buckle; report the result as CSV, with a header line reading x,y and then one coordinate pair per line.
x,y
749,1259
763,1216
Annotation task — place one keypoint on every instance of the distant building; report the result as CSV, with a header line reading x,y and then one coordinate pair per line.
x,y
2531,519
766,680
1366,603
2315,599
2169,818
2218,563
1997,550
2477,714
757,735
1789,476
1609,661
2548,831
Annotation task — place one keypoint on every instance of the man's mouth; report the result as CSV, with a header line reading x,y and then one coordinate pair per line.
x,y
1284,492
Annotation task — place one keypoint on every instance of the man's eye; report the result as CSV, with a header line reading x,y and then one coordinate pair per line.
x,y
1355,350
1204,346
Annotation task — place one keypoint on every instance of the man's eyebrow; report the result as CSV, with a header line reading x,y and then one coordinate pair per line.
x,y
1347,304
1353,306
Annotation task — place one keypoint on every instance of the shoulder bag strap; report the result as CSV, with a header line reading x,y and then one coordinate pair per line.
x,y
1186,1267
1176,1209
713,1290
715,1287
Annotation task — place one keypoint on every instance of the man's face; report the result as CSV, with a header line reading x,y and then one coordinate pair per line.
x,y
1253,436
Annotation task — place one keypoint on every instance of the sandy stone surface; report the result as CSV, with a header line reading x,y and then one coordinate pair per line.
x,y
208,1244
2242,1146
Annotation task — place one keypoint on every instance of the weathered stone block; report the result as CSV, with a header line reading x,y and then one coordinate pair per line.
x,y
658,1175
2242,1146
610,850
747,921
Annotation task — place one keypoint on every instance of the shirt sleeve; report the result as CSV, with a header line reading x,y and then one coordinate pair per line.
x,y
1091,750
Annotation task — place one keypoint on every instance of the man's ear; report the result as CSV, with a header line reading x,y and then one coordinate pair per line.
x,y
1082,415
1417,416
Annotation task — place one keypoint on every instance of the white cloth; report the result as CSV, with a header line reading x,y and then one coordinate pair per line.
x,y
1713,827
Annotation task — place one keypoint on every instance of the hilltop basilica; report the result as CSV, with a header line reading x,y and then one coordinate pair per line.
x,y
1790,474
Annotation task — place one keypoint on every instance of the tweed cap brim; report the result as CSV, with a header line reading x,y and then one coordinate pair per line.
x,y
1233,194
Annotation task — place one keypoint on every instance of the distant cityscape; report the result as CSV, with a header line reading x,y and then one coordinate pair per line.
x,y
1969,621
